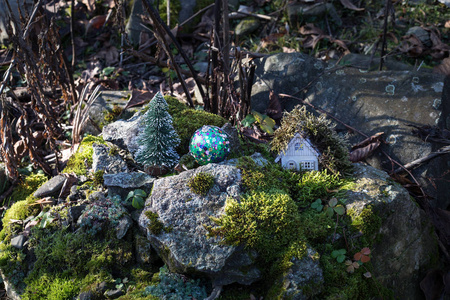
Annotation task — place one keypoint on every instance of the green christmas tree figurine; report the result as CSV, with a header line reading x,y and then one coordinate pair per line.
x,y
158,138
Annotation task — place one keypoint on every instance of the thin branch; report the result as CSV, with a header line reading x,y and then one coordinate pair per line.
x,y
155,16
72,26
418,162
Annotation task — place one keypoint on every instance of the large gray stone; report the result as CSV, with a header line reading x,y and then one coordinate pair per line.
x,y
124,133
103,161
303,272
407,243
283,73
51,187
185,248
381,101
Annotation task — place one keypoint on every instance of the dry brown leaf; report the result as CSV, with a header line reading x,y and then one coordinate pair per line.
x,y
274,110
348,4
444,67
447,24
411,45
364,152
90,4
288,50
369,140
311,29
96,22
139,97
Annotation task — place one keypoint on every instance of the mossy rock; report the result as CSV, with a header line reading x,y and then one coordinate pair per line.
x,y
77,162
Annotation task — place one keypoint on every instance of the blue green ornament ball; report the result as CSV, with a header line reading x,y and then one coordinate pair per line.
x,y
209,144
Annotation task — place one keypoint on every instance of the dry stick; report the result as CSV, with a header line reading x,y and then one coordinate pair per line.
x,y
72,26
196,14
359,132
383,44
160,36
215,59
152,12
417,162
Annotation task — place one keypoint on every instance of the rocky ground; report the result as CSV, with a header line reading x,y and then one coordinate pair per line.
x,y
73,225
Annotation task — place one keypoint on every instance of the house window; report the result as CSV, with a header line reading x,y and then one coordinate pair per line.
x,y
291,165
298,147
308,165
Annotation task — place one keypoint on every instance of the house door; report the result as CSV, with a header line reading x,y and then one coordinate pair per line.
x,y
291,164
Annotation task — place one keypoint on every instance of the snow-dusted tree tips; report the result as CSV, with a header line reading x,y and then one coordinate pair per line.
x,y
158,138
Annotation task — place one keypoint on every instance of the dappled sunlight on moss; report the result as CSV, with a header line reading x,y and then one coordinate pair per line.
x,y
78,161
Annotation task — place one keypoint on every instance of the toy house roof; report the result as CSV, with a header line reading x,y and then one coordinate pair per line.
x,y
292,142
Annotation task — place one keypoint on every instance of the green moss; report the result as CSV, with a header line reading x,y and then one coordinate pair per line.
x,y
78,161
28,186
315,184
155,226
333,148
266,221
268,177
68,262
368,222
110,116
22,198
201,183
98,178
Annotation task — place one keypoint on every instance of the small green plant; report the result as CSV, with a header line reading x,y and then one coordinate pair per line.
x,y
174,286
334,207
264,122
339,255
201,183
137,198
44,219
317,205
99,213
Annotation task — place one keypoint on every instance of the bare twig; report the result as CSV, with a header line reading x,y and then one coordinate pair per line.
x,y
72,26
418,162
385,25
154,14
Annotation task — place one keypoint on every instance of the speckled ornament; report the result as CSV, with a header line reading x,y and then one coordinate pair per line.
x,y
209,144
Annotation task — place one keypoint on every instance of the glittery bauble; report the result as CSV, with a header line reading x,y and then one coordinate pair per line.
x,y
209,144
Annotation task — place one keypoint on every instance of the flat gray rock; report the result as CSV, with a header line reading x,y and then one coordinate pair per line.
x,y
122,183
303,272
51,187
18,241
123,133
102,160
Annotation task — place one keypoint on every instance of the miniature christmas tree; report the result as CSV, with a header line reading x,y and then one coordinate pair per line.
x,y
158,138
